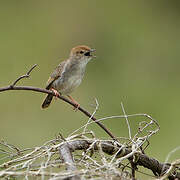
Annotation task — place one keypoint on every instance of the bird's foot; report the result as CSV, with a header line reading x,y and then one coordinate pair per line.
x,y
57,94
77,105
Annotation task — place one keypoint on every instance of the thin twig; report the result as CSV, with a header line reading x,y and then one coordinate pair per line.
x,y
171,169
129,128
122,117
27,75
96,108
170,154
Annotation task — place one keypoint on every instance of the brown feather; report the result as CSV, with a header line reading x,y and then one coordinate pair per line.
x,y
47,101
55,75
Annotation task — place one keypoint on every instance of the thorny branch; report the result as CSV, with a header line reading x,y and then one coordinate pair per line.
x,y
13,87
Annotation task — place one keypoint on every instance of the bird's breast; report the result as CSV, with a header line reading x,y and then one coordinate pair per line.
x,y
69,80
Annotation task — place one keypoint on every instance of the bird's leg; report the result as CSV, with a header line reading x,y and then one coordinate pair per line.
x,y
75,102
55,92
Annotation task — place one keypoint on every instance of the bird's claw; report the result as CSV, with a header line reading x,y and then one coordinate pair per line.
x,y
57,94
77,106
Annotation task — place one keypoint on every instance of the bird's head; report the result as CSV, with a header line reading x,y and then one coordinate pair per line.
x,y
82,53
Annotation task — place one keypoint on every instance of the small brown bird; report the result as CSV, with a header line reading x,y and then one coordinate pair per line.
x,y
68,74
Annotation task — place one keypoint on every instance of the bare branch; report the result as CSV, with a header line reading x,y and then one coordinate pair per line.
x,y
171,169
143,160
23,76
26,163
66,155
129,128
40,90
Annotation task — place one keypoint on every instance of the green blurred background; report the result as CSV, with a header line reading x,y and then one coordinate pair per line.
x,y
138,63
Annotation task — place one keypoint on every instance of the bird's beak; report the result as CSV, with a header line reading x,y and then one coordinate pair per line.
x,y
93,50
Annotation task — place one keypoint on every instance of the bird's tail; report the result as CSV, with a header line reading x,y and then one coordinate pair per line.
x,y
47,101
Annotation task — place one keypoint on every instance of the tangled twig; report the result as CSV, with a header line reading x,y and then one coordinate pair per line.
x,y
27,163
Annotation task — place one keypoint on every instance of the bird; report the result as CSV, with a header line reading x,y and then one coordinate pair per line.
x,y
68,75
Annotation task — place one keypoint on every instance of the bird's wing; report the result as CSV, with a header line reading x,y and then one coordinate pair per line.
x,y
56,74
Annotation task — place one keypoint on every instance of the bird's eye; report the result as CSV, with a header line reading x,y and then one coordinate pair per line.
x,y
87,54
81,52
